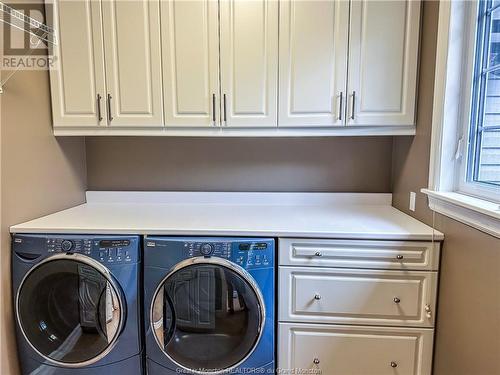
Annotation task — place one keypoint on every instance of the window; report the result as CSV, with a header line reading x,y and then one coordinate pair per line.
x,y
483,154
464,171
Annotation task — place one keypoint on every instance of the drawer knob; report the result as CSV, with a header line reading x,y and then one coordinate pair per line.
x,y
396,300
317,296
318,254
394,364
428,311
316,361
399,257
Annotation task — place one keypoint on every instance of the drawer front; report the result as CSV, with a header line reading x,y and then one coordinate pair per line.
x,y
402,255
346,350
348,296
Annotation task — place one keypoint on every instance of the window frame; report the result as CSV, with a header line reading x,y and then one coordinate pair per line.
x,y
448,191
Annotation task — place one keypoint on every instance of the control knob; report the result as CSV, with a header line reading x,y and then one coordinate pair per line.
x,y
66,245
206,249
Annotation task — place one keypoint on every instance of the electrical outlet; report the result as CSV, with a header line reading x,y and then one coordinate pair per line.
x,y
413,196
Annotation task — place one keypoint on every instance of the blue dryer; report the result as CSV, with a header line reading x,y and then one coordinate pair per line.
x,y
209,305
77,304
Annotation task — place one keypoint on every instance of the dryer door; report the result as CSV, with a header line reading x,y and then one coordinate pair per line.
x,y
70,310
207,315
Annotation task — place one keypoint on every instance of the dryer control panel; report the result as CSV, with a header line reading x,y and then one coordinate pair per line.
x,y
248,253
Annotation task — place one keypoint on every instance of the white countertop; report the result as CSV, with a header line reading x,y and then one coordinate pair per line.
x,y
314,215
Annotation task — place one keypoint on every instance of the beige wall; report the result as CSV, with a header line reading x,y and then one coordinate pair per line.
x,y
245,164
468,320
39,175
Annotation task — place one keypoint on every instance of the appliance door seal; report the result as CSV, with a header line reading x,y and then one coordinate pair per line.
x,y
70,310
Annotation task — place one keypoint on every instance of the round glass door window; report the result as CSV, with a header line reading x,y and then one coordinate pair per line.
x,y
69,310
207,316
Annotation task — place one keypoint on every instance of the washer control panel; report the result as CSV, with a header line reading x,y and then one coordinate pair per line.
x,y
66,245
106,250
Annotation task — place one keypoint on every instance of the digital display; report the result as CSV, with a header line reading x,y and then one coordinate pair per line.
x,y
114,243
252,246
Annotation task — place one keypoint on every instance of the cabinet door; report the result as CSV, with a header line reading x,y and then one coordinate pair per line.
x,y
383,62
249,62
354,350
351,296
313,62
77,78
190,51
133,62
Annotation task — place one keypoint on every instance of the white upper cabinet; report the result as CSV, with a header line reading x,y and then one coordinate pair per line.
x,y
133,62
77,79
235,67
249,62
313,62
383,62
190,52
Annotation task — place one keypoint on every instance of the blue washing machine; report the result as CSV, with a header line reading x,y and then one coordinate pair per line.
x,y
77,304
209,305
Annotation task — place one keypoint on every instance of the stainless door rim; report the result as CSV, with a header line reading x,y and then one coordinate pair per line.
x,y
109,278
233,267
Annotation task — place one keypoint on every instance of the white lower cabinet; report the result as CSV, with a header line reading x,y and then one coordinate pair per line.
x,y
329,295
354,350
356,307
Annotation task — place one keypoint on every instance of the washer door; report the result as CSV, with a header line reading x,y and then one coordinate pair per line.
x,y
207,315
70,310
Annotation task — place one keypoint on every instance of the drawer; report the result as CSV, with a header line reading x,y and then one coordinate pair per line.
x,y
403,255
354,350
350,296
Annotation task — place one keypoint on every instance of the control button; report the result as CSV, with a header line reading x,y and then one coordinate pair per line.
x,y
66,245
206,249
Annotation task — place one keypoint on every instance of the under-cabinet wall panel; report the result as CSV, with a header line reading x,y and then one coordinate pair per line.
x,y
383,62
133,62
313,62
190,52
77,79
249,62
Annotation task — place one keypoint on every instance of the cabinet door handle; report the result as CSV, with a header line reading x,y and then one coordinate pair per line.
x,y
224,104
341,102
396,300
353,104
99,114
213,108
110,117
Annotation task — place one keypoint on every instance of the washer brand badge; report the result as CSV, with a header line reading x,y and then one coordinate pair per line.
x,y
150,244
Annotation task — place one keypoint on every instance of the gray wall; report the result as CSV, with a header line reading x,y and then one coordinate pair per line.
x,y
468,320
39,175
287,164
